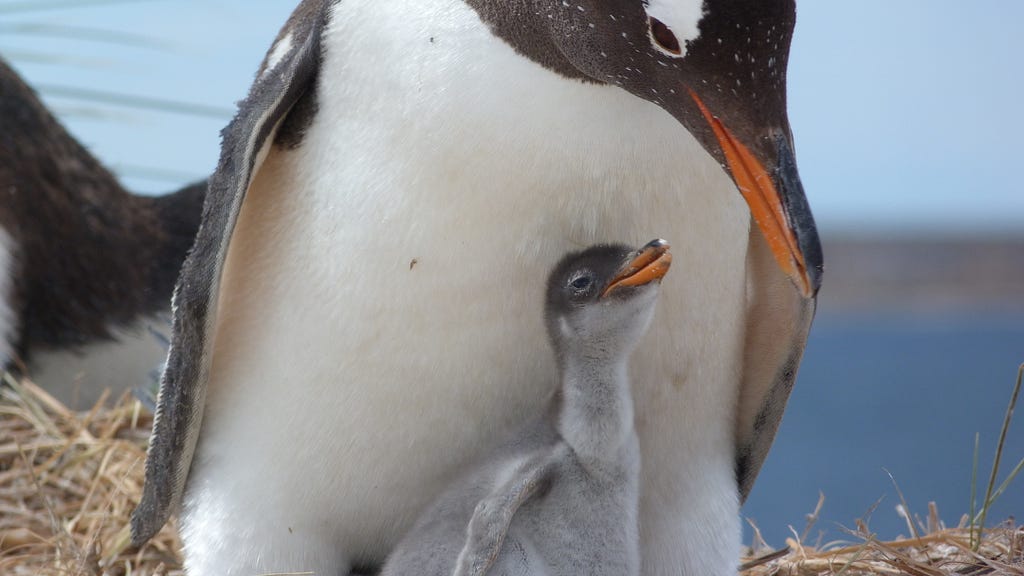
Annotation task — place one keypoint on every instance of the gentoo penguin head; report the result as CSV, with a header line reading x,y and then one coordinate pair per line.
x,y
602,299
717,66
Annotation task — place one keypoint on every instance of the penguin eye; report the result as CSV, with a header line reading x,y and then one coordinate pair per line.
x,y
663,37
581,282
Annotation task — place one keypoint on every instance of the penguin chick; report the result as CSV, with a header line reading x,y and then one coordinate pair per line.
x,y
562,496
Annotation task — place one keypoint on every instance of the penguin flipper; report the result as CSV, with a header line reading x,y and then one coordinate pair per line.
x,y
288,72
778,321
492,517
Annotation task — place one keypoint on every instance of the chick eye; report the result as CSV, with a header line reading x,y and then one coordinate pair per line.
x,y
663,37
581,282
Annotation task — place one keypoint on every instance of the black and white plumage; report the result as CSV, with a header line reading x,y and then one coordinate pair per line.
x,y
562,495
397,164
85,266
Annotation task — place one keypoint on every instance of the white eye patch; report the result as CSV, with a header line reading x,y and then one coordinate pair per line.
x,y
681,17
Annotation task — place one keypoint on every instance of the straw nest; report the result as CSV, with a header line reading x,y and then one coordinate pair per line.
x,y
69,481
932,550
68,484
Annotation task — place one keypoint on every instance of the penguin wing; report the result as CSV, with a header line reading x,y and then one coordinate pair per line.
x,y
288,72
778,320
492,517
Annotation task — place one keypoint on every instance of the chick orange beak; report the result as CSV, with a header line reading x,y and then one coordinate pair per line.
x,y
650,265
783,218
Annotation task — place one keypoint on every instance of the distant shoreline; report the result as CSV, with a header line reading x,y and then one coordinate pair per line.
x,y
923,274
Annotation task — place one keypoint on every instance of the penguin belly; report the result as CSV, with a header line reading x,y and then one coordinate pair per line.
x,y
80,376
380,323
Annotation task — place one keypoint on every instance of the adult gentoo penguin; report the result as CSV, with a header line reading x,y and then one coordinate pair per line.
x,y
562,495
85,266
339,350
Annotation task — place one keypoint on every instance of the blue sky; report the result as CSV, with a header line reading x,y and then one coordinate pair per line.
x,y
906,113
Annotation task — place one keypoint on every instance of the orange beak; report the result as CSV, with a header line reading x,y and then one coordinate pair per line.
x,y
788,240
650,265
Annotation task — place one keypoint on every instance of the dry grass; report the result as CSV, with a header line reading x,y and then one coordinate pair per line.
x,y
935,550
944,552
68,482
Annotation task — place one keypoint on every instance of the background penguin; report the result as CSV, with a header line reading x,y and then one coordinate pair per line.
x,y
85,266
562,496
343,284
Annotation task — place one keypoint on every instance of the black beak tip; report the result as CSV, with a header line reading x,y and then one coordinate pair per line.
x,y
798,211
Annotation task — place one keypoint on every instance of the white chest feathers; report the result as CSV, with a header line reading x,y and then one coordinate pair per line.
x,y
380,316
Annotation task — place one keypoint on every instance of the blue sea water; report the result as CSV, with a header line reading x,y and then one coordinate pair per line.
x,y
903,394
